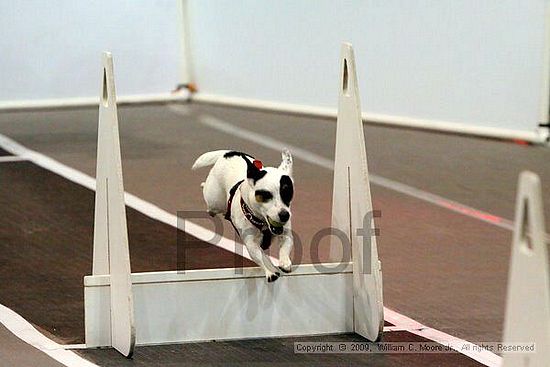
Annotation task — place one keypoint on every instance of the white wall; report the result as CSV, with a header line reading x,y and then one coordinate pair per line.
x,y
477,62
52,49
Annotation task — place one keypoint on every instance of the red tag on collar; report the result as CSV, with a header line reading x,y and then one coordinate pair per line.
x,y
258,164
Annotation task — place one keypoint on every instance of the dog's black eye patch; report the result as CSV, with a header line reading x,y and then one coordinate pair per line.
x,y
262,196
286,189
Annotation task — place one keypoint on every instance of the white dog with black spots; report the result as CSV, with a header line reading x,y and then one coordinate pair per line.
x,y
256,199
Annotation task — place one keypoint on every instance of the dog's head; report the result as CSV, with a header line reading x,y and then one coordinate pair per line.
x,y
272,191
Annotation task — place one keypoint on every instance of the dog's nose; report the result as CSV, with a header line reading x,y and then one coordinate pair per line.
x,y
284,215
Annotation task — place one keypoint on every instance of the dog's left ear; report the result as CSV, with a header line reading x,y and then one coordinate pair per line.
x,y
286,163
254,170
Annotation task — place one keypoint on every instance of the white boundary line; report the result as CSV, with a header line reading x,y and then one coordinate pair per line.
x,y
406,324
26,332
153,211
132,201
11,158
320,161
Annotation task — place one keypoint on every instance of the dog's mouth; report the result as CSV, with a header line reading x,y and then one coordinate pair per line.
x,y
274,226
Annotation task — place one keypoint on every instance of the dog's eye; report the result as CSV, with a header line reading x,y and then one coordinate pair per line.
x,y
262,196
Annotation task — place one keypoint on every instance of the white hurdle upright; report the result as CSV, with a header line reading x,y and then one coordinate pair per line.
x,y
217,304
352,205
528,301
111,254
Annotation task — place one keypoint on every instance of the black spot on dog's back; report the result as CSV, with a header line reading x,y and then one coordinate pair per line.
x,y
252,171
286,189
234,153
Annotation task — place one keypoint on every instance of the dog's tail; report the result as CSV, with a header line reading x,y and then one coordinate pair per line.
x,y
208,159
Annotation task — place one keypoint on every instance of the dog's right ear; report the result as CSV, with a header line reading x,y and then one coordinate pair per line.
x,y
286,163
254,170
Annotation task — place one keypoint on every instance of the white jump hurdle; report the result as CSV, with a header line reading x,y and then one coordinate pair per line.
x,y
528,302
194,305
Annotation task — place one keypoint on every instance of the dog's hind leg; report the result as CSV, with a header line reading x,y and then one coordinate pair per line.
x,y
214,196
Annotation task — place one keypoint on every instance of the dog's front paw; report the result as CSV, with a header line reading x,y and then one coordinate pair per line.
x,y
272,277
285,265
286,270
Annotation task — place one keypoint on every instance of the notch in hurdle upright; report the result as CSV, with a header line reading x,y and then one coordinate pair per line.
x,y
219,304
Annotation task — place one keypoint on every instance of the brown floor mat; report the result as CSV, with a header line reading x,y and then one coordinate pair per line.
x,y
46,234
273,352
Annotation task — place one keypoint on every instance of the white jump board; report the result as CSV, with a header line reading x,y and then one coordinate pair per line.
x,y
215,304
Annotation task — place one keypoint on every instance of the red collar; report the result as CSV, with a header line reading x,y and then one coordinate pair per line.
x,y
256,222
